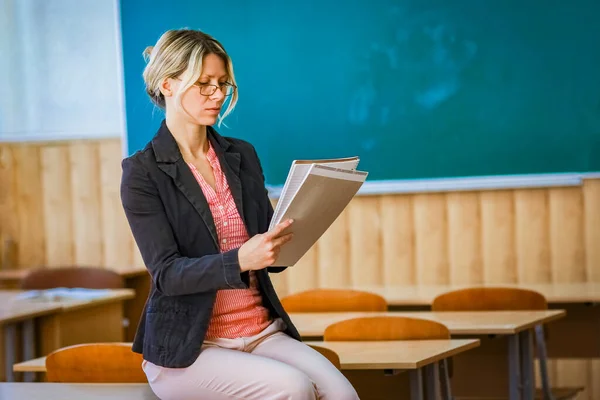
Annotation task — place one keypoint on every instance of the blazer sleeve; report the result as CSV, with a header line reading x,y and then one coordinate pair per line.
x,y
270,211
172,273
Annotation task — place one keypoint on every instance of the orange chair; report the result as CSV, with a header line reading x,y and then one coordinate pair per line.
x,y
381,328
366,329
490,299
95,363
333,300
72,277
329,354
507,299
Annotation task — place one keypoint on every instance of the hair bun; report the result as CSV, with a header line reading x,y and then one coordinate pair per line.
x,y
147,52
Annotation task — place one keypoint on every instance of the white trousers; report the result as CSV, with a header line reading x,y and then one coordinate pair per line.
x,y
268,366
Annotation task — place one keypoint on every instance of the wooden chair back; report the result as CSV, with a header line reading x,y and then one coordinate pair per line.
x,y
329,354
72,277
95,363
385,328
490,299
333,300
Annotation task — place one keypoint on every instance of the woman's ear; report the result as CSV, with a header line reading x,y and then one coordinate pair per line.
x,y
166,87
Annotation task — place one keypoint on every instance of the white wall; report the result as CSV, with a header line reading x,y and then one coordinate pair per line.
x,y
61,72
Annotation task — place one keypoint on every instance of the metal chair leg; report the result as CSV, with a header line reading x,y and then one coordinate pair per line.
x,y
445,380
543,359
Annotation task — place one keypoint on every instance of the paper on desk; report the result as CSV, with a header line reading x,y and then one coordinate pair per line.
x,y
57,294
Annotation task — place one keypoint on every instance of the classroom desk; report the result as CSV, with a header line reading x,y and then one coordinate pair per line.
x,y
575,336
88,391
49,325
505,354
136,278
20,316
417,357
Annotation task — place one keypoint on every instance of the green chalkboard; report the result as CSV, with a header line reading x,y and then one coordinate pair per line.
x,y
416,88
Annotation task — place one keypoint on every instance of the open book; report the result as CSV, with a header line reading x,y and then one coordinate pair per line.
x,y
314,194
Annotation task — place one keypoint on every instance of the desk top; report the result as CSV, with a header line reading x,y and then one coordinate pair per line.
x,y
459,323
62,391
406,354
423,295
13,309
360,355
10,312
18,274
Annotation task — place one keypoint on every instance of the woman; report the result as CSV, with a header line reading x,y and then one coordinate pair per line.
x,y
213,327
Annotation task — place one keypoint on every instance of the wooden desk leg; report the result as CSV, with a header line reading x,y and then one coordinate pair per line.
x,y
432,379
29,346
10,343
527,375
416,384
514,368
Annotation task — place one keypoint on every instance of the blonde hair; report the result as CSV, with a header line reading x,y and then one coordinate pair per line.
x,y
179,53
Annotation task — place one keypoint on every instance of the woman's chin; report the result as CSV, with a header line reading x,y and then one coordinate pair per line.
x,y
206,120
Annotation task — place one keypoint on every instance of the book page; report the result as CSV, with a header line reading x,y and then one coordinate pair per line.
x,y
298,172
297,175
344,163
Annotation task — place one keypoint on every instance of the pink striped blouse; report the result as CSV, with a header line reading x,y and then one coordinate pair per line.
x,y
237,312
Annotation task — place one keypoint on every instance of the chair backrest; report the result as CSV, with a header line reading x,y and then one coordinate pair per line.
x,y
329,354
72,277
385,328
490,299
333,300
95,363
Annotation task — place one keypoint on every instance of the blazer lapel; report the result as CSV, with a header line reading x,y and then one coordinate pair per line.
x,y
170,161
187,184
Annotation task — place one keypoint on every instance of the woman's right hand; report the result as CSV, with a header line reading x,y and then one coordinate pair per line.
x,y
263,249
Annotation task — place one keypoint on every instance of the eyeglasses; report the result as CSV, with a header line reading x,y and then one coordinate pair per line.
x,y
207,89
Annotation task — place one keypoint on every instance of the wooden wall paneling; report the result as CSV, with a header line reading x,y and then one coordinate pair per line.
x,y
499,259
567,235
87,205
464,238
533,236
304,275
333,257
431,239
398,240
115,229
591,206
9,226
31,241
137,259
58,211
364,228
280,283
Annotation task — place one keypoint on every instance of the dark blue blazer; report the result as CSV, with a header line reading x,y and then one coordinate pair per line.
x,y
175,232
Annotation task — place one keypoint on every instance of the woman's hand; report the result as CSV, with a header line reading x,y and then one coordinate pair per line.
x,y
263,249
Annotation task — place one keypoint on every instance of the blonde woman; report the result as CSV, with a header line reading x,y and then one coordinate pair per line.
x,y
213,327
